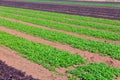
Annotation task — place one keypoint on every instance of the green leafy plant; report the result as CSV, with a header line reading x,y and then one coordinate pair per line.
x,y
67,16
112,50
63,20
95,71
45,55
85,31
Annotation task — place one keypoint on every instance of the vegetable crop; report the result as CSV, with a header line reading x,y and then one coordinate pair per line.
x,y
46,23
45,55
73,17
112,50
74,22
22,20
95,71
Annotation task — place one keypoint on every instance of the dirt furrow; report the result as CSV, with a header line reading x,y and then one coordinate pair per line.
x,y
37,71
70,33
91,57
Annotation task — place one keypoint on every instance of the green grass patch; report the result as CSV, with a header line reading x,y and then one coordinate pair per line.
x,y
112,50
95,71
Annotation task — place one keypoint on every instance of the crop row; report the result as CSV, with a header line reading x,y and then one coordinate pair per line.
x,y
42,54
95,71
64,20
77,3
9,73
73,17
46,23
112,50
52,58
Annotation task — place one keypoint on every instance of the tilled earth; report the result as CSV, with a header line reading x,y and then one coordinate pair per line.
x,y
102,12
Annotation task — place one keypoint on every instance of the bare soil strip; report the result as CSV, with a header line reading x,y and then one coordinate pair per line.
x,y
70,33
37,71
91,57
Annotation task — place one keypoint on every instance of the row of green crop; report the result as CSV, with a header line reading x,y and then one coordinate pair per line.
x,y
52,58
95,71
112,50
64,20
83,18
46,23
48,56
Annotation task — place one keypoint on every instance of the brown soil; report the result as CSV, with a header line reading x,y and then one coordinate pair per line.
x,y
37,71
118,78
91,57
70,33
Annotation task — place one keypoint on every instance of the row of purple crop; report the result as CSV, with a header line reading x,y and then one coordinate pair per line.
x,y
102,12
9,73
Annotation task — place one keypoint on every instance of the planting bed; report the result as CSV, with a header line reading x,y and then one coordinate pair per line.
x,y
71,47
112,13
102,3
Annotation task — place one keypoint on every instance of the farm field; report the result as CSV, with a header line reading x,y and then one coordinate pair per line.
x,y
92,11
83,3
41,45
